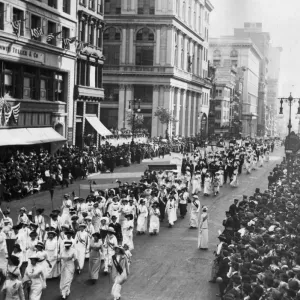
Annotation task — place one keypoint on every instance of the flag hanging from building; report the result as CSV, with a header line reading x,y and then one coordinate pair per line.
x,y
36,32
15,112
7,115
52,36
16,25
80,46
68,41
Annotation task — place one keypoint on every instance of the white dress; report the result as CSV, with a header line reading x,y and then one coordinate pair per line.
x,y
127,231
67,270
171,211
196,182
52,248
3,253
81,246
154,220
207,185
38,283
203,231
142,219
194,213
234,182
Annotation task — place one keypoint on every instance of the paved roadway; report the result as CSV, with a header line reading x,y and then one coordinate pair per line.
x,y
167,266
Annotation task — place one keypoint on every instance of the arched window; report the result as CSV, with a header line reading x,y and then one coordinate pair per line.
x,y
144,47
234,53
217,53
112,45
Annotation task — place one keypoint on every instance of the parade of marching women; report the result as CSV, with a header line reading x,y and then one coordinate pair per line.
x,y
98,232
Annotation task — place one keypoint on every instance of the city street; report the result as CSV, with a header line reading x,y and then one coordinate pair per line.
x,y
164,267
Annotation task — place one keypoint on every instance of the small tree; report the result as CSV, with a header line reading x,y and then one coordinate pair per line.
x,y
135,121
165,116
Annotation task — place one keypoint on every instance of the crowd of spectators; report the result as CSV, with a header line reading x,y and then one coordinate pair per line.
x,y
258,256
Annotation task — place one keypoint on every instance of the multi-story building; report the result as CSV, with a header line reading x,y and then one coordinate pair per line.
x,y
262,41
241,53
157,51
37,56
222,99
89,68
273,88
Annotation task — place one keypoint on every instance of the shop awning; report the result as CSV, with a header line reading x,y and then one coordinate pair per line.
x,y
98,126
29,136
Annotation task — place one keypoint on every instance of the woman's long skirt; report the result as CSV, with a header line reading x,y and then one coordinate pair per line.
x,y
154,224
203,239
66,278
94,267
80,249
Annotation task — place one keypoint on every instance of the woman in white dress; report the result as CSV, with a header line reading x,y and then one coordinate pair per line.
x,y
13,288
196,183
52,249
142,218
207,185
3,253
154,219
95,257
43,261
203,230
81,244
40,221
171,211
127,231
234,182
35,274
120,271
267,156
194,213
69,263
221,177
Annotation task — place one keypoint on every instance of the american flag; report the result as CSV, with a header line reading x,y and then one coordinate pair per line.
x,y
80,46
15,111
68,41
16,27
36,32
52,36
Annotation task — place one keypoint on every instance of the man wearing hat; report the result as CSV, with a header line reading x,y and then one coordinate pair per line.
x,y
109,245
118,229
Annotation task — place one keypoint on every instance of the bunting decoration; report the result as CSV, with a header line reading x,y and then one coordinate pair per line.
x,y
52,36
36,32
8,113
80,46
16,25
68,41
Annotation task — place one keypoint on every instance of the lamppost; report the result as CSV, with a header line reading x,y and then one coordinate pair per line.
x,y
134,107
290,100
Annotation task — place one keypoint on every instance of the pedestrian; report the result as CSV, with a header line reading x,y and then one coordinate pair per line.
x,y
171,211
109,245
196,183
194,212
118,229
142,218
120,271
35,274
69,264
203,230
207,185
182,205
154,219
52,249
127,231
13,287
95,257
81,244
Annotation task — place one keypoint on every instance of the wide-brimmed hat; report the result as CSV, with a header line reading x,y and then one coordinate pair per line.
x,y
130,216
81,225
33,233
68,243
52,232
23,209
111,230
34,256
120,248
88,218
40,244
74,218
97,234
40,210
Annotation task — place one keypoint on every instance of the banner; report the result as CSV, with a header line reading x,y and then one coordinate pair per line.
x,y
176,158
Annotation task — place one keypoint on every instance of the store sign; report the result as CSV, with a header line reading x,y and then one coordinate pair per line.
x,y
21,52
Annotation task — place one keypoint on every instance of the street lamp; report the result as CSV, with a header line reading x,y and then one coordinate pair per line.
x,y
134,107
290,100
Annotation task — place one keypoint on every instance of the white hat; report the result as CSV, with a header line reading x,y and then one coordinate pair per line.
x,y
111,229
195,196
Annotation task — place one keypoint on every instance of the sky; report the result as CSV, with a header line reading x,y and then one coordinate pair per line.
x,y
280,18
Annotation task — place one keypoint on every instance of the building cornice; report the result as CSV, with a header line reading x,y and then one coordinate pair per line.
x,y
209,6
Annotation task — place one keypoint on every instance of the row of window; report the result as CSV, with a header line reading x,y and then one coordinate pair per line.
x,y
145,7
227,62
89,33
233,53
94,5
53,3
27,82
29,23
89,74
